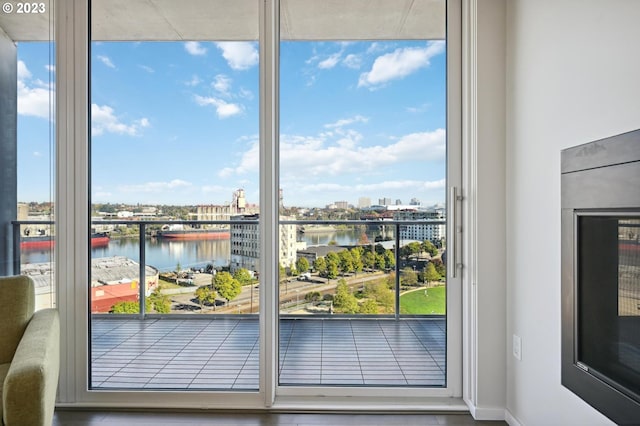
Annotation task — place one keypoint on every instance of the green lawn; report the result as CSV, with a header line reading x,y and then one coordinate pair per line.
x,y
417,303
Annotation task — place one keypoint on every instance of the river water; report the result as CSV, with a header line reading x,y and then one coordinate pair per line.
x,y
165,254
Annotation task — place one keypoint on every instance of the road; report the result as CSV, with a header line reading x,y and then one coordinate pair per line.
x,y
291,291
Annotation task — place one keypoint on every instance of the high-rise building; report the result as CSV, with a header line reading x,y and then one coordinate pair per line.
x,y
434,227
342,205
225,212
385,201
245,244
364,202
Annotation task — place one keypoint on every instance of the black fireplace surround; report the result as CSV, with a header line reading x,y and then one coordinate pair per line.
x,y
601,275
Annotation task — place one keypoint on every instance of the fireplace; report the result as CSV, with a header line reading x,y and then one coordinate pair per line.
x,y
601,275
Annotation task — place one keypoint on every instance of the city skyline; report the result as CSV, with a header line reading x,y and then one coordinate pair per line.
x,y
177,123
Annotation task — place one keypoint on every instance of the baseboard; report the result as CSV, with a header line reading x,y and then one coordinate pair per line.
x,y
510,419
485,413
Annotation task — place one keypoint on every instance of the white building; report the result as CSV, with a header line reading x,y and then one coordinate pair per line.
x,y
245,244
364,202
434,227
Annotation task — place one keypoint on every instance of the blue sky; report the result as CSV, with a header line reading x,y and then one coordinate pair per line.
x,y
177,123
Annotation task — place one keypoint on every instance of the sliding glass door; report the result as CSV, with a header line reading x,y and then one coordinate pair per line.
x,y
364,284
174,281
267,201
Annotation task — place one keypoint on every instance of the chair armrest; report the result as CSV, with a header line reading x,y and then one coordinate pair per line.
x,y
29,390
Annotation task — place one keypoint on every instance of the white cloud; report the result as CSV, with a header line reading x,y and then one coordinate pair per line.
x,y
376,187
106,60
104,120
156,187
245,93
35,97
330,62
222,84
250,161
23,71
400,63
337,159
347,121
101,195
223,109
195,48
147,69
195,80
50,68
352,61
319,156
418,109
240,55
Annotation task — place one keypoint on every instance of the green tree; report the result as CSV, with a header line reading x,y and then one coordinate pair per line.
x,y
429,248
312,296
380,261
332,269
408,277
344,301
302,264
369,260
383,295
430,273
369,306
282,273
333,262
243,276
356,255
292,270
440,267
346,261
126,308
206,295
320,265
389,259
226,286
160,302
391,281
411,249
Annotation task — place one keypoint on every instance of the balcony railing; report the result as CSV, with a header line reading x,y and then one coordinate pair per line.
x,y
293,290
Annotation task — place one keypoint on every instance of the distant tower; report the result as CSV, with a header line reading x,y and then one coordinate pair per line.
x,y
239,203
280,198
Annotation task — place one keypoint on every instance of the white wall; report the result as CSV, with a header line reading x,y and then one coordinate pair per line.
x,y
573,76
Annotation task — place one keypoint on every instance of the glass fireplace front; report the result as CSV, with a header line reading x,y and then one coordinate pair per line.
x,y
608,299
600,242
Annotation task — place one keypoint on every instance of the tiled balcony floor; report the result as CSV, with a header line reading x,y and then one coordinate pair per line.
x,y
222,353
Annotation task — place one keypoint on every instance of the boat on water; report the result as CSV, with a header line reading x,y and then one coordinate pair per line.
x,y
181,232
98,239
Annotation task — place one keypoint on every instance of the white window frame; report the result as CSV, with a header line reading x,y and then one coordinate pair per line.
x,y
72,254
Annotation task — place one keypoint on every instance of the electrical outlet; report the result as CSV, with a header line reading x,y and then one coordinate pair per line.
x,y
517,347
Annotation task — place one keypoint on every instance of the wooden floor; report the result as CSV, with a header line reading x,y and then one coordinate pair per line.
x,y
113,418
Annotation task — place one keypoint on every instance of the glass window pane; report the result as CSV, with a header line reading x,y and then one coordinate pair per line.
x,y
363,184
27,153
175,185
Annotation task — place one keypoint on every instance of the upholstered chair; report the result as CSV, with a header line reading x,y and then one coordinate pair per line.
x,y
29,355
